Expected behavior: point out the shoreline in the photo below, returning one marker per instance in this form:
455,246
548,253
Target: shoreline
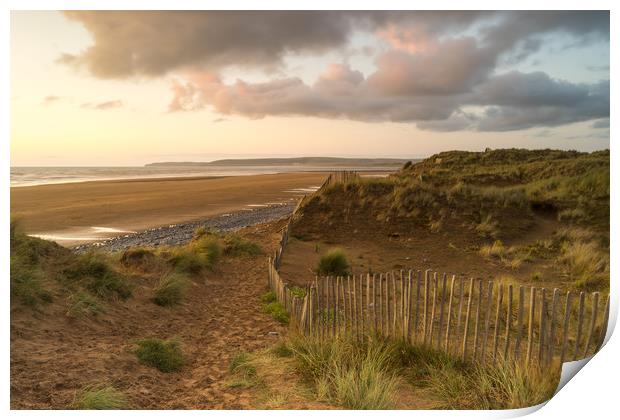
181,233
76,213
222,174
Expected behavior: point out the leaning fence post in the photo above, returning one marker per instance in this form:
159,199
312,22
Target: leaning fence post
465,333
552,329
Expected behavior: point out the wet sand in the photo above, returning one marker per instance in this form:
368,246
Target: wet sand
72,210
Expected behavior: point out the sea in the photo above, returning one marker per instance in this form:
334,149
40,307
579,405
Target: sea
22,176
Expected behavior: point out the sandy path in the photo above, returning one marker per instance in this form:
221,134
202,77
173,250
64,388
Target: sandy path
53,356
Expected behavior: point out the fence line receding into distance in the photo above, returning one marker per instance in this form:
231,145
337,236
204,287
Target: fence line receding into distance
470,318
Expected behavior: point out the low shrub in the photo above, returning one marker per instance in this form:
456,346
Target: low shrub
171,289
165,355
100,397
333,262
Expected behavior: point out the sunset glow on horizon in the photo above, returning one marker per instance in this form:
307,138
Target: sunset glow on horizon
130,88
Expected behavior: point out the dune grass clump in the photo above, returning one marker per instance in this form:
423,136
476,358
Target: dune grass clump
26,283
165,355
242,369
82,304
500,385
584,264
28,274
171,289
93,271
236,245
198,256
347,373
100,397
333,262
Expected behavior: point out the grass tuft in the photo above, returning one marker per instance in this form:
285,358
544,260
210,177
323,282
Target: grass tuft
82,304
347,373
165,355
333,262
100,397
171,289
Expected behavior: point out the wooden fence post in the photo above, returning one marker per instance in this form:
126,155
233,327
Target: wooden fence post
592,322
508,322
442,299
552,329
447,341
426,297
487,320
432,323
567,310
530,332
409,312
582,297
417,306
500,298
471,294
604,322
476,325
542,325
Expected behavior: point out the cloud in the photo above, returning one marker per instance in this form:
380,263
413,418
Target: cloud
153,43
102,106
504,102
440,69
51,99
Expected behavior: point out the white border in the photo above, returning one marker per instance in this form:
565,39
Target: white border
592,395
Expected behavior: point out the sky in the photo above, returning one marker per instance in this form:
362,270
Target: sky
129,88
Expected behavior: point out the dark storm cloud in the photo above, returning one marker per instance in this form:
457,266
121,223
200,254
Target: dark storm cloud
439,64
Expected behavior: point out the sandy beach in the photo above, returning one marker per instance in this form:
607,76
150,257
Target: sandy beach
81,212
